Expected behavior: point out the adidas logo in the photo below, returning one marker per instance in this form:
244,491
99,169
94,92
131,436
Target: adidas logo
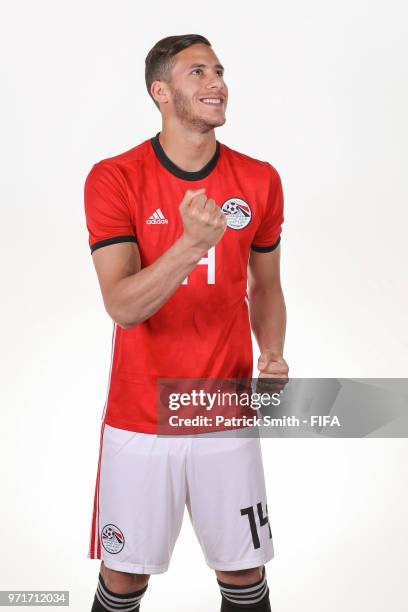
156,218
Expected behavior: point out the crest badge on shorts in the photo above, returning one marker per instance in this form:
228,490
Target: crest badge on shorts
238,213
113,539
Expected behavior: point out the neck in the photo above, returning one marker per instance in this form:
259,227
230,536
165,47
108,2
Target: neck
188,149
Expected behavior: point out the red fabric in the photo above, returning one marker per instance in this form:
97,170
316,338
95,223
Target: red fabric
95,552
203,330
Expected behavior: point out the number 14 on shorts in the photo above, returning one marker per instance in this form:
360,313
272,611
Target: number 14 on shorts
263,520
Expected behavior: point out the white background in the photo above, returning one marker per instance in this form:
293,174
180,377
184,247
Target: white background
318,89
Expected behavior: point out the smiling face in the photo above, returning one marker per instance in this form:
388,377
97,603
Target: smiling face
197,93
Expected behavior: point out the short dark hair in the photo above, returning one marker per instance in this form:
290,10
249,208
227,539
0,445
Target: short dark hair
159,61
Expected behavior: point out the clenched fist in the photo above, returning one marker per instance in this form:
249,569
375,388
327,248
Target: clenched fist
204,222
273,373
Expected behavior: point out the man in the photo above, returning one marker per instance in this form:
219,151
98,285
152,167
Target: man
174,225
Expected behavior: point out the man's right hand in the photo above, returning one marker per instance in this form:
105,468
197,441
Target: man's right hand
131,293
204,222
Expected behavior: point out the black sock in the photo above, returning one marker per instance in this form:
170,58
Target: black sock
246,597
106,600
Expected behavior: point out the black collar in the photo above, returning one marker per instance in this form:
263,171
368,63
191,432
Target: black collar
183,174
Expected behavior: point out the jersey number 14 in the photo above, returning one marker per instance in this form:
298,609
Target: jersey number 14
208,261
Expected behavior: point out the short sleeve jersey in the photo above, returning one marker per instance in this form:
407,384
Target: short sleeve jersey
203,330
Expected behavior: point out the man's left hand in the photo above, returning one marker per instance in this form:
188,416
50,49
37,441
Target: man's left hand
272,366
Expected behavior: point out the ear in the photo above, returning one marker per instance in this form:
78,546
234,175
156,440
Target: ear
160,92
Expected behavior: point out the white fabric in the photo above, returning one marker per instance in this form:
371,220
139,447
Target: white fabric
146,481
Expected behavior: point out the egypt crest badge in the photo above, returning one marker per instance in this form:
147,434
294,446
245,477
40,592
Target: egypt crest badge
238,213
113,539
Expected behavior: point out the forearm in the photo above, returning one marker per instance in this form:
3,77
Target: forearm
140,295
267,312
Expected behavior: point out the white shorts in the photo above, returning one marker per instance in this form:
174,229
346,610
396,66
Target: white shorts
144,482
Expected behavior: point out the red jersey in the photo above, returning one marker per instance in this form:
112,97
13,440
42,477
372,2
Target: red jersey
203,330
